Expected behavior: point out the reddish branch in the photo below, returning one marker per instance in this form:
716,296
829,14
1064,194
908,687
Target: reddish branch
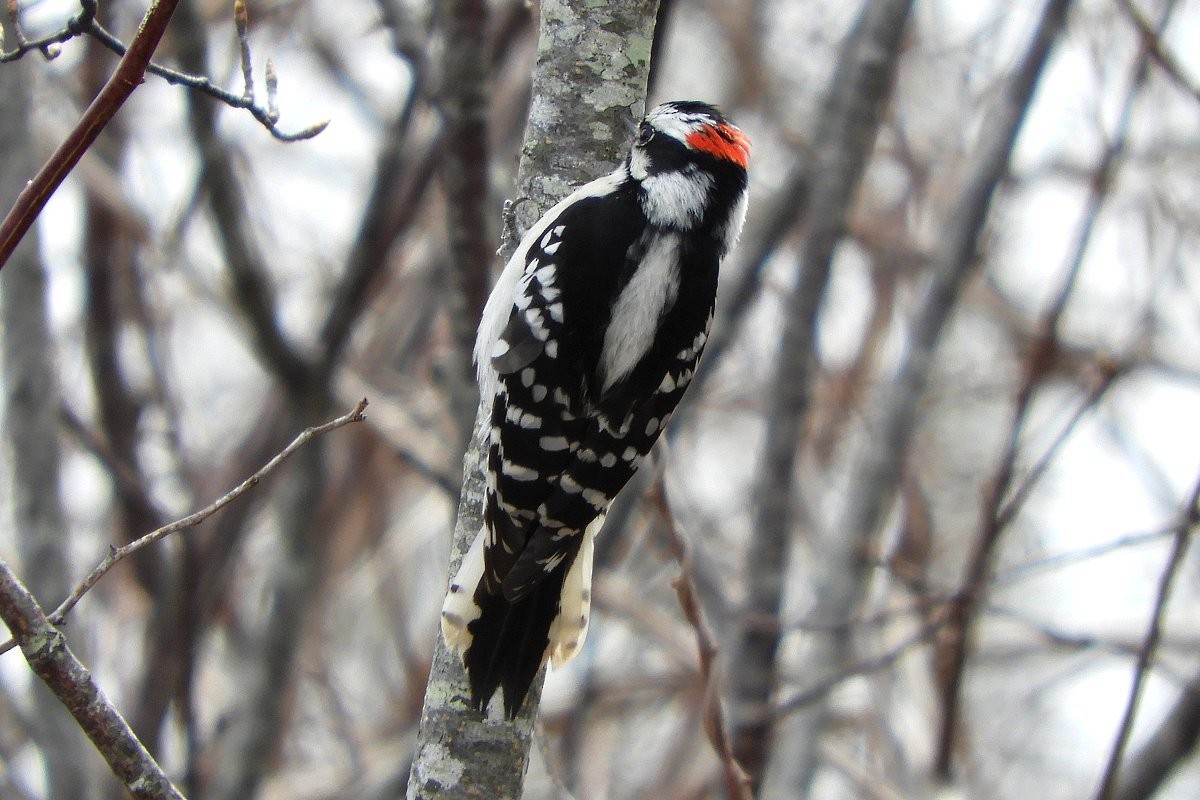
131,71
128,76
737,782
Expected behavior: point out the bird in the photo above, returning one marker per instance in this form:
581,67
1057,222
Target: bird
586,344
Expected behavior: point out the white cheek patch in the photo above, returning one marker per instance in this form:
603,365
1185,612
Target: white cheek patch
676,199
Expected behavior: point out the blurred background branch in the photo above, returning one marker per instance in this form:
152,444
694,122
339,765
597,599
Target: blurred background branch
932,468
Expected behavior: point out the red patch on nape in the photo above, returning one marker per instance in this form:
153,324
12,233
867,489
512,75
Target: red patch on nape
722,141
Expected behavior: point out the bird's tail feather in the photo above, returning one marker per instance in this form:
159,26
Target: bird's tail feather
509,642
504,643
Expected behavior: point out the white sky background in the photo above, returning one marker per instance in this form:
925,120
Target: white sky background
1125,471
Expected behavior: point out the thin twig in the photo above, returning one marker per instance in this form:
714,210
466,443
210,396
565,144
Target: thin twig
1188,517
48,45
265,115
118,554
85,24
1004,514
810,694
241,23
1056,561
737,782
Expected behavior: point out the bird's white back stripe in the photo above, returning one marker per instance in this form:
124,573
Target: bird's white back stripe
639,308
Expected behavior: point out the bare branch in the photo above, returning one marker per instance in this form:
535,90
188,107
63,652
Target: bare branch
118,554
737,782
247,265
241,24
464,173
47,45
1171,743
85,24
1152,44
127,77
51,659
31,389
821,689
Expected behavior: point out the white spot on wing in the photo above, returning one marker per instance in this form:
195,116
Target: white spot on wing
550,562
522,418
518,472
596,499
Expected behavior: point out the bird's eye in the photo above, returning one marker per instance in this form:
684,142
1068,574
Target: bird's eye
645,134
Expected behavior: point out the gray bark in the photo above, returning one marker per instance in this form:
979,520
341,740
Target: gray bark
46,650
589,81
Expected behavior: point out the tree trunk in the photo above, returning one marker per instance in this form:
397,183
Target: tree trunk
576,131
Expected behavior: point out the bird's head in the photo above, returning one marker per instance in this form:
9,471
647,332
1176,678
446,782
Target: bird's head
691,164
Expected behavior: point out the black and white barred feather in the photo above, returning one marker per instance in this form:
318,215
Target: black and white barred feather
586,346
